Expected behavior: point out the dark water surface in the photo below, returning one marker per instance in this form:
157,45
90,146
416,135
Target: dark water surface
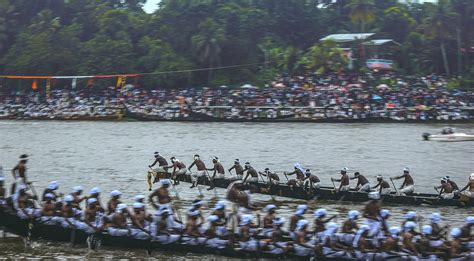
115,155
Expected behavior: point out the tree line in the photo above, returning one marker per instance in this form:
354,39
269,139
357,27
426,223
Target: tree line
89,37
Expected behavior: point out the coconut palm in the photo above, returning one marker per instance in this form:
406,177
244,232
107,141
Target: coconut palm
440,25
362,12
207,44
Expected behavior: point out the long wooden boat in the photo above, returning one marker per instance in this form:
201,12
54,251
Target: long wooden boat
11,223
328,193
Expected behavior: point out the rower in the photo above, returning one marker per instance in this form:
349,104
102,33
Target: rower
3,192
384,216
251,172
140,222
456,244
272,178
49,215
215,237
436,233
19,174
300,176
300,211
364,249
435,219
344,186
350,227
363,184
219,211
162,194
301,247
161,232
24,203
276,245
239,170
408,235
113,202
329,246
218,171
408,186
95,193
52,187
69,214
468,190
384,187
196,206
411,216
446,191
201,170
311,181
139,198
246,241
320,221
119,225
466,234
191,235
268,219
453,185
93,214
76,194
179,169
371,215
390,246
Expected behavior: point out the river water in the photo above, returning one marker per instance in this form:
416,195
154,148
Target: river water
115,155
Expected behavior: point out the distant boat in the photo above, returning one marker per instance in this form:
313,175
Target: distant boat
448,135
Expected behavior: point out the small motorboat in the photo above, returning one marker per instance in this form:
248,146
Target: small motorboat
448,134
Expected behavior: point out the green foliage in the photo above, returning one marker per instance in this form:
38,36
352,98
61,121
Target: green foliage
68,37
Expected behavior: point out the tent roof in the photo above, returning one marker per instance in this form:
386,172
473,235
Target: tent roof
342,38
380,42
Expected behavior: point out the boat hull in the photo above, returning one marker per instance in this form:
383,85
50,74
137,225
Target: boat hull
451,137
328,193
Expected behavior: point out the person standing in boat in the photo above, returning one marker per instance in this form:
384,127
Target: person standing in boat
201,170
371,215
218,171
344,181
239,170
252,174
408,186
300,175
384,187
468,190
164,203
19,173
179,169
446,190
363,184
162,168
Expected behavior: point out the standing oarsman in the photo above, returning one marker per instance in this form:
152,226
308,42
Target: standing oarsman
239,170
250,172
384,187
201,170
300,176
371,215
179,169
162,169
408,186
363,184
446,190
219,172
19,173
164,203
468,190
344,181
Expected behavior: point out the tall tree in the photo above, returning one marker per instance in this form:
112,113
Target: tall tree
440,26
362,13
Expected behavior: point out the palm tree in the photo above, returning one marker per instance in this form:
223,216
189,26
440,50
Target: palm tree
439,26
362,12
207,44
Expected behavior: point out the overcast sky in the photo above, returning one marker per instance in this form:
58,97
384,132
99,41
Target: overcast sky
151,5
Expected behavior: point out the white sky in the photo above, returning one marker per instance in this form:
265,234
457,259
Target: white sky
151,5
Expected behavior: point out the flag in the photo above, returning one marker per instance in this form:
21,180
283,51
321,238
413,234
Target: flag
74,83
34,85
48,87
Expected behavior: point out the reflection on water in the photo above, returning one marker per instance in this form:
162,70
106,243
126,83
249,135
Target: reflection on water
115,155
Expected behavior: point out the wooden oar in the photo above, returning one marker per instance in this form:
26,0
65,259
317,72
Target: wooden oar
286,176
395,187
333,184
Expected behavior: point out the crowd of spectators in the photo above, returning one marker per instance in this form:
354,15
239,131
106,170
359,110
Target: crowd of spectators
299,97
